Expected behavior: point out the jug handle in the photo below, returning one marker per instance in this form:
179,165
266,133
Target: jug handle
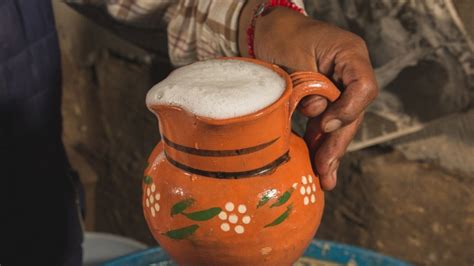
311,83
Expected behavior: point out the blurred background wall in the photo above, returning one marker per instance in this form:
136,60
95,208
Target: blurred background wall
405,189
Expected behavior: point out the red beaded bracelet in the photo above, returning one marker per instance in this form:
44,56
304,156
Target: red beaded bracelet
262,10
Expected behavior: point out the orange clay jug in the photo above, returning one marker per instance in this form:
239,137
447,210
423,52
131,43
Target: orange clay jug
237,191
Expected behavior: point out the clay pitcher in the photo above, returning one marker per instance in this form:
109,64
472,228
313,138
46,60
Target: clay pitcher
238,191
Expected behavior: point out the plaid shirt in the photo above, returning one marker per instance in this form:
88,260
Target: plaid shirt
197,29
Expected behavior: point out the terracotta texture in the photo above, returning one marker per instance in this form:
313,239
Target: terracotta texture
237,191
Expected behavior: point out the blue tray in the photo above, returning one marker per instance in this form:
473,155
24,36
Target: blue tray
318,250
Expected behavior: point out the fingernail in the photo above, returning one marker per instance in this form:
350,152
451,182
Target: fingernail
332,125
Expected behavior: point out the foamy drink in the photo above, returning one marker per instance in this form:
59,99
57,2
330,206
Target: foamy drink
219,89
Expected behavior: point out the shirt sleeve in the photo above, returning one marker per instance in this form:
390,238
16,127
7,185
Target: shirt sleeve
203,29
196,29
140,13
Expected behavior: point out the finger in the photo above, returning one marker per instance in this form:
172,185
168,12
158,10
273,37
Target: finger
313,105
313,134
330,150
360,89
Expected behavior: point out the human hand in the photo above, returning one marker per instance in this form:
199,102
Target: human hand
298,43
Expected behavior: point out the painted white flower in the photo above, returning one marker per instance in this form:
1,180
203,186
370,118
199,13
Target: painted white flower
234,216
308,189
152,198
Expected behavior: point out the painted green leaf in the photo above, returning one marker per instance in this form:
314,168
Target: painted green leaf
283,198
282,217
203,215
181,206
182,233
266,197
147,179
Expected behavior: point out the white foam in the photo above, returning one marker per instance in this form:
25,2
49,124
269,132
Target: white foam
219,89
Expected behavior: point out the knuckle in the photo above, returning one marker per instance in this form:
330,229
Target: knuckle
348,112
355,44
370,88
373,90
356,40
360,42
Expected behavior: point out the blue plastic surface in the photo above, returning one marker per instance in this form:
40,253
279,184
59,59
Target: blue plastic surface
349,255
319,249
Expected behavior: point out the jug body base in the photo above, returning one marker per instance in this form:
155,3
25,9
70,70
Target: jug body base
268,219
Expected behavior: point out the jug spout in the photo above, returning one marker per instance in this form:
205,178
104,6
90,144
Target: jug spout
161,109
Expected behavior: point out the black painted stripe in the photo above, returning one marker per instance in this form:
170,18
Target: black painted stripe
227,175
217,153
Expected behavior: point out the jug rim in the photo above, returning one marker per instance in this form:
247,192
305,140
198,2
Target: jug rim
243,118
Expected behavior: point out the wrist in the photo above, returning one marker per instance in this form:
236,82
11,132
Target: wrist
245,20
255,10
277,28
